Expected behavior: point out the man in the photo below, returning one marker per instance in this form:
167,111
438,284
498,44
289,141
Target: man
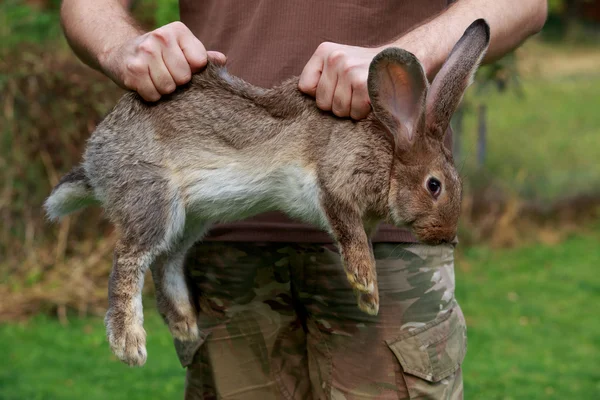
277,316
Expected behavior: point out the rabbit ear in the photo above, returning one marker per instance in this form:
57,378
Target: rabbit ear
455,77
397,90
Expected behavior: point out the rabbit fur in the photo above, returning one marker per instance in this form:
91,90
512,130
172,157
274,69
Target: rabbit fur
219,149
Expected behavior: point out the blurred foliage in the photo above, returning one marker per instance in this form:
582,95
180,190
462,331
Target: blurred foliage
562,6
166,11
576,21
21,23
556,6
501,76
50,103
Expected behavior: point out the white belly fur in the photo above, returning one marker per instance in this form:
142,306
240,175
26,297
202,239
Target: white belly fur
232,192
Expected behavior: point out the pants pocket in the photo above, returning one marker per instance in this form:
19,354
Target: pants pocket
431,357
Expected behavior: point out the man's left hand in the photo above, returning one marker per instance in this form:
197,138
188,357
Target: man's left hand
336,75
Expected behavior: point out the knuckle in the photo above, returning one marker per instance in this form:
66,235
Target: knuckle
324,47
353,74
148,47
135,66
359,84
336,58
350,71
161,35
178,26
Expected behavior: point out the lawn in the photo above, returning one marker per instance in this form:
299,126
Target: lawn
532,313
45,360
534,333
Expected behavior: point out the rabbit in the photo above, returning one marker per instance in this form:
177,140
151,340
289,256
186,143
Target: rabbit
219,149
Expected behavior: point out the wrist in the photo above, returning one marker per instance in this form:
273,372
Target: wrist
103,56
430,53
108,51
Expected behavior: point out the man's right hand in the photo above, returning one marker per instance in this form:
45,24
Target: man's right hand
156,62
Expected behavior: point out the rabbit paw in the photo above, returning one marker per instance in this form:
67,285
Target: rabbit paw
368,303
127,340
180,316
184,327
362,278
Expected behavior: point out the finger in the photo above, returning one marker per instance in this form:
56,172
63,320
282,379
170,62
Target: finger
342,97
194,51
326,88
311,74
153,72
160,76
145,88
177,65
216,57
360,105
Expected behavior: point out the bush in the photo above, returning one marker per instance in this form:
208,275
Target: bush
166,11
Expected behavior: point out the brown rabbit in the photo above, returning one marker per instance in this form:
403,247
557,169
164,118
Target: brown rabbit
219,149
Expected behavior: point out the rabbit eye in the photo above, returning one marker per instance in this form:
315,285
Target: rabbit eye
434,186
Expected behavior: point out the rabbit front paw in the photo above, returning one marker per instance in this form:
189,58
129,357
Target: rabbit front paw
127,340
361,276
369,302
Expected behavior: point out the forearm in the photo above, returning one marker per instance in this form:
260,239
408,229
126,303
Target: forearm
152,63
94,27
511,22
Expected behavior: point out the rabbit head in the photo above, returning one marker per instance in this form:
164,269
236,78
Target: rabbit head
425,188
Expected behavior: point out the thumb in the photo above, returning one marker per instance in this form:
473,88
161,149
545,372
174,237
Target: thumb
216,57
193,50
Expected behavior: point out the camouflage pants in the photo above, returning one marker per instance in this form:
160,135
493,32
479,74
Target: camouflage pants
280,321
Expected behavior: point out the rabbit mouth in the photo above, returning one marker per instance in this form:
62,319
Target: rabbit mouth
433,234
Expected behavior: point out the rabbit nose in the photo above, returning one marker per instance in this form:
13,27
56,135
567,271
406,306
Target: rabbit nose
448,237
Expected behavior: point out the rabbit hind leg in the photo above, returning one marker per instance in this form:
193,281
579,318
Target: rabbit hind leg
149,223
173,298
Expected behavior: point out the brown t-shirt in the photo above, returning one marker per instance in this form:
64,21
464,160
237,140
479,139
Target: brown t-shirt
267,41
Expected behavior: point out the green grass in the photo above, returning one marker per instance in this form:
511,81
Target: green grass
45,360
534,333
532,315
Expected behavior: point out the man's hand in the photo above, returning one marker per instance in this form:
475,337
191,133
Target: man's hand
156,62
336,75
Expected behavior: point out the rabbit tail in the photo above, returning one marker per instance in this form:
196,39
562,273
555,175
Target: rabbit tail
72,193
